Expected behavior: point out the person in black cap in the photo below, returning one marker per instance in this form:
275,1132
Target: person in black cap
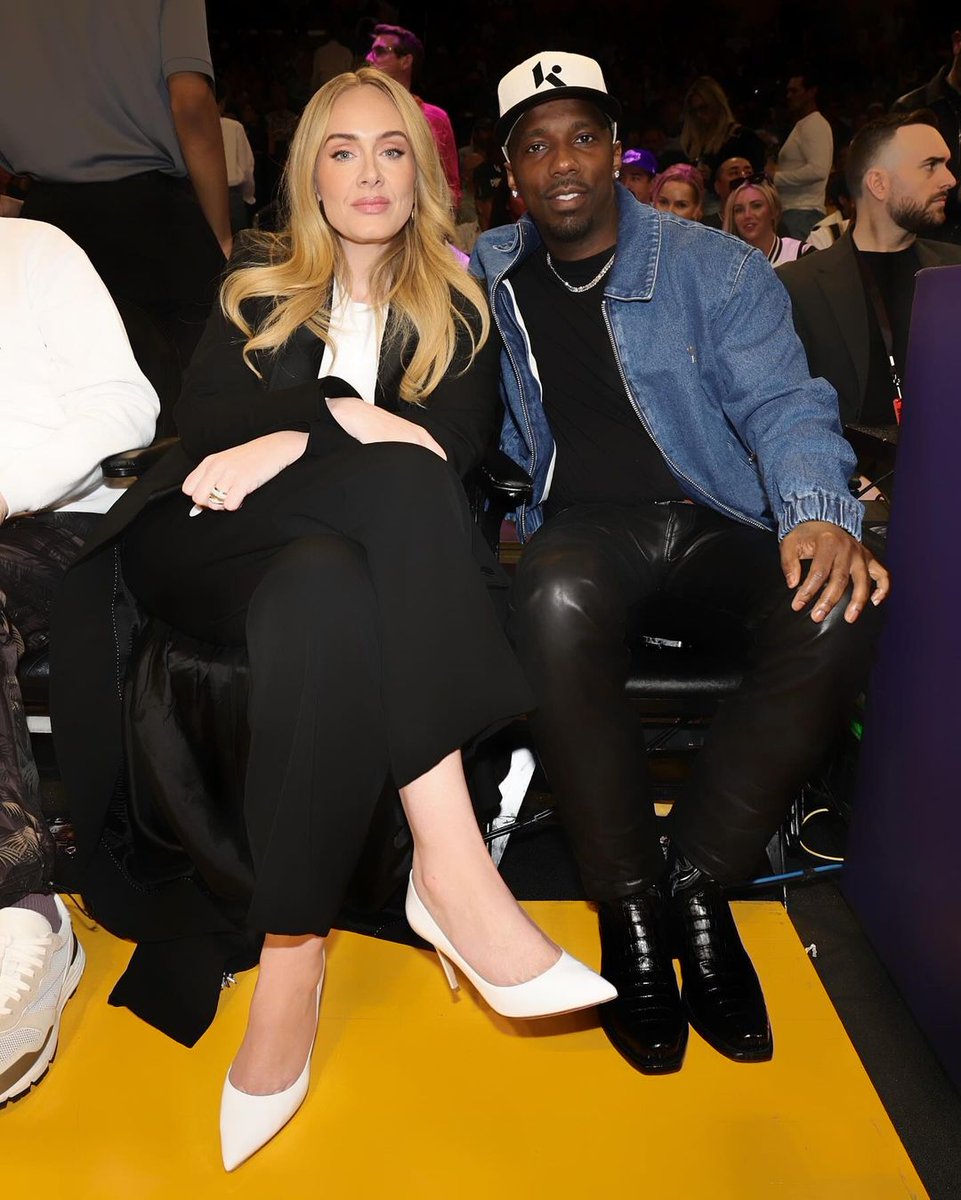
681,455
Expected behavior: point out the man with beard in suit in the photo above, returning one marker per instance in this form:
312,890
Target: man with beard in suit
852,302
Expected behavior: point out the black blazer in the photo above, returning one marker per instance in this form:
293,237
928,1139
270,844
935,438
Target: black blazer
831,314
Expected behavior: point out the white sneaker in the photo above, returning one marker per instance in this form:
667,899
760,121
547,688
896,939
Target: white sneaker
39,971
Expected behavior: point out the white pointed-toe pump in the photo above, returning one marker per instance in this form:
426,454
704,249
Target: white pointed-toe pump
566,986
248,1122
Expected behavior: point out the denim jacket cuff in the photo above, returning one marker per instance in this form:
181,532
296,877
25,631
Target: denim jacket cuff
822,506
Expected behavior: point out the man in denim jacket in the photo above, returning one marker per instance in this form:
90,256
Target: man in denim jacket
681,454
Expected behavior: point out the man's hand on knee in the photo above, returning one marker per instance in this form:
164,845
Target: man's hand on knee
836,559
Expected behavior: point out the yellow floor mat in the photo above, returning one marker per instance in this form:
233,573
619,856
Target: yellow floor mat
420,1093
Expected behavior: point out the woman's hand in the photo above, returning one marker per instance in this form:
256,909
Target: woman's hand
224,480
367,424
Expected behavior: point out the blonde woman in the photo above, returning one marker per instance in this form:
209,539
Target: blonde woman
320,521
753,211
710,133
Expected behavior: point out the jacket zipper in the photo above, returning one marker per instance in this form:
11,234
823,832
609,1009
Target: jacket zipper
113,619
520,388
674,467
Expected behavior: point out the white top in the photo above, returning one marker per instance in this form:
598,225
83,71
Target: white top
239,156
804,164
71,392
356,331
825,233
785,249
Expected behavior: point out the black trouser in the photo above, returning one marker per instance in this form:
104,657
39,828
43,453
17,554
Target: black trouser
148,241
374,648
580,586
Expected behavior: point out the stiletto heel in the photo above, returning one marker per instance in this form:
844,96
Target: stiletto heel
565,987
448,969
248,1122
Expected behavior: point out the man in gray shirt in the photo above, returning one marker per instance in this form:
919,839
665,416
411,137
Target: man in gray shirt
108,118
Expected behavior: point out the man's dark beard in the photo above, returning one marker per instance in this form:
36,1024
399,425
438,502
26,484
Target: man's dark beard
916,218
570,229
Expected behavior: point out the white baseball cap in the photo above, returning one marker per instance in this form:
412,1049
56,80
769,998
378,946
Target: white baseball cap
551,75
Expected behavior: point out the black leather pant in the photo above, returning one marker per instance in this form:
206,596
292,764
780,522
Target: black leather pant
582,588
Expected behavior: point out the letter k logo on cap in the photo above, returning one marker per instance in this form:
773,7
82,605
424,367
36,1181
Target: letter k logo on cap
554,78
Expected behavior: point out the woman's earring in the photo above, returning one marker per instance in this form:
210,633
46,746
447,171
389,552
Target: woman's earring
617,173
514,193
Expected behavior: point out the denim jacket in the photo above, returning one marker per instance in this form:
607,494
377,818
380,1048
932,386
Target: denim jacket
703,339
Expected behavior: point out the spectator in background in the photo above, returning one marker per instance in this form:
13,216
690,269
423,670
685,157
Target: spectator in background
710,133
728,175
240,170
109,109
638,168
825,233
898,175
70,394
399,53
804,162
680,190
652,135
469,158
280,121
753,211
942,95
331,57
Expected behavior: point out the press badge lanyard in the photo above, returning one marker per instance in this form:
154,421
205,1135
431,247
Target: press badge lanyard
873,293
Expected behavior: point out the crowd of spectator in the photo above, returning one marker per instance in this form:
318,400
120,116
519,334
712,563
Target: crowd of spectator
697,91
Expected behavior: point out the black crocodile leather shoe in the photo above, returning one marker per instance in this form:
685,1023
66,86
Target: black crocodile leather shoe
721,991
646,1023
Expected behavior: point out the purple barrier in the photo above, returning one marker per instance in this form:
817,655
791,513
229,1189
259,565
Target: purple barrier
903,872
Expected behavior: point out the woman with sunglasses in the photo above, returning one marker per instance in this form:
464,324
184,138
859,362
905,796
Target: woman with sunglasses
753,211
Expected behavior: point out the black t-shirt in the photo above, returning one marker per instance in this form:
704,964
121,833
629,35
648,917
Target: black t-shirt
894,274
604,453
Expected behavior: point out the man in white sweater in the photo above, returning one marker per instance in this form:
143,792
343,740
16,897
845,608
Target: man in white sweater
71,393
804,163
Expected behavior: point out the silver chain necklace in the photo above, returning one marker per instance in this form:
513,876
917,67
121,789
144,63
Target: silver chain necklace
585,287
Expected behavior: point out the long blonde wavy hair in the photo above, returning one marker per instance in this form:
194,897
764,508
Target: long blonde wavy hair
701,135
417,275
